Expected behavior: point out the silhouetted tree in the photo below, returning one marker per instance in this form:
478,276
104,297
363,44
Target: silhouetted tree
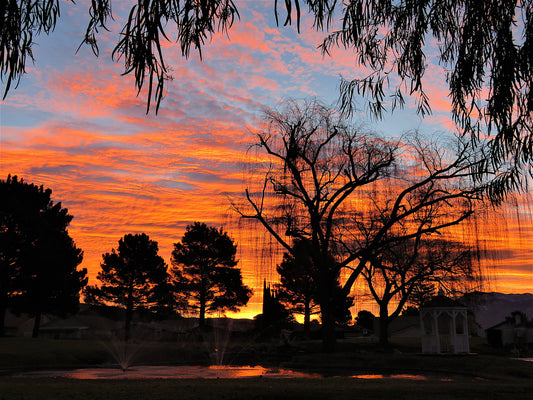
297,289
204,273
486,47
411,311
38,258
275,315
341,305
422,293
365,320
167,305
131,277
432,190
316,162
350,194
396,272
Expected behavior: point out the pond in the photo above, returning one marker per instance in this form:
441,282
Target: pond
193,372
171,372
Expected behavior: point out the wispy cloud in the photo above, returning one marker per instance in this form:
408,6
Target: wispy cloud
76,125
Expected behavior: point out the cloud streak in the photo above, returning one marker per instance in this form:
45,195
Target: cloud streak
76,125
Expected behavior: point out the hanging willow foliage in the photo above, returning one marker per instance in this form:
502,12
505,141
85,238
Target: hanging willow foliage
486,47
352,195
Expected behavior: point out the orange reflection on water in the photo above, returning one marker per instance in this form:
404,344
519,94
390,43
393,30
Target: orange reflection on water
226,371
172,372
396,376
237,372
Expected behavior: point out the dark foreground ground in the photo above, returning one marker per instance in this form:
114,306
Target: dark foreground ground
482,376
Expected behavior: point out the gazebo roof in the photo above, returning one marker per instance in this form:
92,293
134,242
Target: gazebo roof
441,301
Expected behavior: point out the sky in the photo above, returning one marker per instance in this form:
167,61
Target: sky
75,125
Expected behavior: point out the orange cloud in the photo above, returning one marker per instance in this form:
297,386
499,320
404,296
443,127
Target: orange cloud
76,125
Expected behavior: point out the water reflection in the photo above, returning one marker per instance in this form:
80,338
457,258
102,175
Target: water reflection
204,372
395,376
172,372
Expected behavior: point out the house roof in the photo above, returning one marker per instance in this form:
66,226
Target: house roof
64,324
503,323
512,322
404,323
441,301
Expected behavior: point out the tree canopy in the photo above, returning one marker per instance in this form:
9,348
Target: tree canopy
315,164
485,48
394,275
131,277
38,258
298,288
204,273
352,195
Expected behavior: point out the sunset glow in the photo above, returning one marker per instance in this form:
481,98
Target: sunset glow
75,125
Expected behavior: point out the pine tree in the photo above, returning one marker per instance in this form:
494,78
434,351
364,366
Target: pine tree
131,277
38,258
204,272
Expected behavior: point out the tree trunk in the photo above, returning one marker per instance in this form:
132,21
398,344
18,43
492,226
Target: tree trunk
325,290
329,339
2,320
201,322
3,310
384,326
129,315
36,324
307,318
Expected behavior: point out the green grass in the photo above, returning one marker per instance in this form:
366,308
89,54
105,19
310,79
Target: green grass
262,388
27,353
485,376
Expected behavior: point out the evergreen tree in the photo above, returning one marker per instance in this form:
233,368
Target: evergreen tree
297,288
131,277
204,274
365,320
275,315
38,258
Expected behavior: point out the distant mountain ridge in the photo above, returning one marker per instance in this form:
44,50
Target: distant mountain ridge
492,308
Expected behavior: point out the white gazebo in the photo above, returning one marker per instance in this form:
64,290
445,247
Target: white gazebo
444,326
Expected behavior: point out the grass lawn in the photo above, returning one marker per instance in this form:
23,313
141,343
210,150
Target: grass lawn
263,388
484,376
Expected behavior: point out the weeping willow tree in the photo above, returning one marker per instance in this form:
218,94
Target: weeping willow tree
319,179
312,163
404,235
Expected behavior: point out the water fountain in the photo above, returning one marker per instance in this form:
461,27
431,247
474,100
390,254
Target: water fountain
123,352
217,340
